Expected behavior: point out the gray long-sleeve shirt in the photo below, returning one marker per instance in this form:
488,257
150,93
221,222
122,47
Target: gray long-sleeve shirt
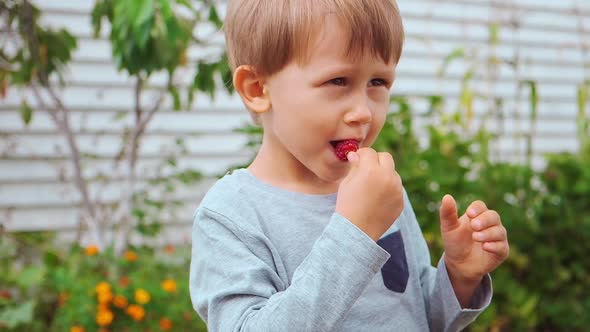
267,259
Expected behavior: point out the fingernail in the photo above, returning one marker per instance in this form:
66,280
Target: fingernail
472,212
352,156
478,236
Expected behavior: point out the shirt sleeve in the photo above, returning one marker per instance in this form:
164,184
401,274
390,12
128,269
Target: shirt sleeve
235,287
442,306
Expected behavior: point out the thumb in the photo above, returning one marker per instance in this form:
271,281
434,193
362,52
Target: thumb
449,220
353,158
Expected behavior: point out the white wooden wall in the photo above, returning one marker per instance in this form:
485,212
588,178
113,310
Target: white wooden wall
35,193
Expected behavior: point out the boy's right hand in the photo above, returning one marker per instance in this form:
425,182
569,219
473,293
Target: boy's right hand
371,195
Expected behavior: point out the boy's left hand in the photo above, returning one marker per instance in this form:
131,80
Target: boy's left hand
476,243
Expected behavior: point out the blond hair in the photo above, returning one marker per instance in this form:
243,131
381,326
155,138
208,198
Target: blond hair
268,34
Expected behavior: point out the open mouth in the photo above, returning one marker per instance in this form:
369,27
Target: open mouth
343,147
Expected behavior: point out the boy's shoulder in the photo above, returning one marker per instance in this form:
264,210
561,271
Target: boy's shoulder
231,196
230,187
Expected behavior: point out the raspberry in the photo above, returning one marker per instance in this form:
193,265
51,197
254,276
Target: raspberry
342,148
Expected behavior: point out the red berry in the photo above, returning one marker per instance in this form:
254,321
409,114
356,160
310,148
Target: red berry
342,148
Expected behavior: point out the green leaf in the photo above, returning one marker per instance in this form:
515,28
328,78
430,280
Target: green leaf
96,17
204,79
469,75
175,97
144,13
21,314
582,99
185,3
31,276
51,258
435,104
26,112
494,34
533,98
467,104
214,17
455,54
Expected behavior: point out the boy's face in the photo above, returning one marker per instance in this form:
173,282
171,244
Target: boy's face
328,99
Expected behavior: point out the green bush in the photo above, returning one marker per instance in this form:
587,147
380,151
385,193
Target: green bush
545,283
81,289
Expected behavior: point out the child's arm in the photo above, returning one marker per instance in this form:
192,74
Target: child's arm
475,244
237,285
445,312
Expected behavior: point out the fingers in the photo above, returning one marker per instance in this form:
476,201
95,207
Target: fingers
367,155
492,234
485,220
476,208
370,156
386,160
449,219
352,157
499,248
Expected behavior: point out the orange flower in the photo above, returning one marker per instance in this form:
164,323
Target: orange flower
105,297
136,312
104,317
142,296
77,329
124,281
91,250
120,301
165,324
169,249
130,256
169,285
103,287
62,299
102,307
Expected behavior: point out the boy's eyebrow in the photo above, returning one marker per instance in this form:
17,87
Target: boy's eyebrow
338,69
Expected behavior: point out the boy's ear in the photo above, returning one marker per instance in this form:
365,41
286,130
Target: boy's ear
250,85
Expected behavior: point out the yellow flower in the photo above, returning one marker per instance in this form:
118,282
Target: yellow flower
105,297
169,285
91,250
130,256
120,301
165,324
136,312
77,329
104,317
142,296
103,287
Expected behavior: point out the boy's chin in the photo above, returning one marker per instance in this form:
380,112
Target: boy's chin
335,174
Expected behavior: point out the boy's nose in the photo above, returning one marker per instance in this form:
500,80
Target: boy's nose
359,113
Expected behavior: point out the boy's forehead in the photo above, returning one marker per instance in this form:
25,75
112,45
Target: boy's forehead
330,42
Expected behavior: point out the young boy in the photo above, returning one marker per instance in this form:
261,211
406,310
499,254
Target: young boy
313,235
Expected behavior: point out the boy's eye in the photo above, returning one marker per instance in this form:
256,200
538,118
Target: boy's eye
341,81
378,82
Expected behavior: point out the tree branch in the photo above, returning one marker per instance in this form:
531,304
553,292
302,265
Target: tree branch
62,122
